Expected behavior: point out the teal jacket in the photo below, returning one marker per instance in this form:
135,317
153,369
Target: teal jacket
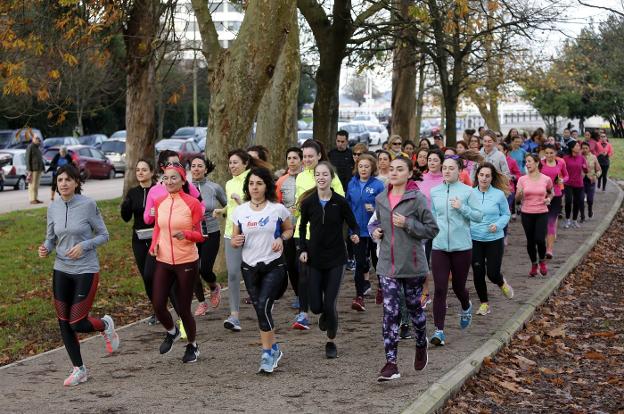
454,224
495,208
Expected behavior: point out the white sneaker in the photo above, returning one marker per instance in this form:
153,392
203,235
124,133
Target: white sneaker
567,224
77,376
110,336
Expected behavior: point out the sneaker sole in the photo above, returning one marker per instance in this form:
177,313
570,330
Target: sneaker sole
358,308
390,378
279,358
230,326
82,380
437,342
426,361
192,360
300,327
265,371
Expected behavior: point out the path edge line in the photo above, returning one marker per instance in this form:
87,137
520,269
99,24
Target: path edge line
434,397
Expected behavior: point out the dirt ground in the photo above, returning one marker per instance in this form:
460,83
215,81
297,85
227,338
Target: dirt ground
138,379
570,358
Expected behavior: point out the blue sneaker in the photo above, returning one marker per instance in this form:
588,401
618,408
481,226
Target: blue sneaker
438,338
301,322
295,303
277,355
232,323
465,317
266,363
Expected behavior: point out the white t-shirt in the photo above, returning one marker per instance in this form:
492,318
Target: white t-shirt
260,228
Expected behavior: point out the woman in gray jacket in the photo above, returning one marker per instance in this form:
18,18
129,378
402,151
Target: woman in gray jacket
402,221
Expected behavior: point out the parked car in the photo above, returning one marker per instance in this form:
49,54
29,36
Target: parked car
358,132
378,133
186,149
59,141
304,135
91,161
301,125
95,140
119,134
115,150
195,133
16,138
13,170
202,144
366,118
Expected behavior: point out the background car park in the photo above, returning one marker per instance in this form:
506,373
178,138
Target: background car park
59,141
195,133
94,140
378,133
304,135
91,161
357,132
16,138
115,150
119,134
14,172
186,149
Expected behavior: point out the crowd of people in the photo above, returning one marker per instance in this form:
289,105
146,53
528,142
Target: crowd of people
416,214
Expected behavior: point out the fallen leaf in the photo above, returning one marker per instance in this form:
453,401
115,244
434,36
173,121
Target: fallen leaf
514,388
606,334
547,371
525,363
595,356
557,332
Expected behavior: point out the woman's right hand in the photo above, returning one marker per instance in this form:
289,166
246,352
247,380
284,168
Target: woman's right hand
236,198
217,212
238,240
303,257
154,252
43,252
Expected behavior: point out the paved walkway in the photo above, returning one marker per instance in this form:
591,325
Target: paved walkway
138,379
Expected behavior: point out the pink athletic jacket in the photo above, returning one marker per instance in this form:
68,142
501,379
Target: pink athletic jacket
159,191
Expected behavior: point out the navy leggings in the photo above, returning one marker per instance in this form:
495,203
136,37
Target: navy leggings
264,285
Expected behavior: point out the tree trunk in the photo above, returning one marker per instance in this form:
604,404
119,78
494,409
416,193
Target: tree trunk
325,113
277,116
241,76
450,101
420,97
582,125
140,35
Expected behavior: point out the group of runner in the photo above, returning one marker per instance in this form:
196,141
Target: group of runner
411,213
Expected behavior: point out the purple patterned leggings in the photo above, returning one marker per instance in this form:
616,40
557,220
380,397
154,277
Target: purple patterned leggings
392,319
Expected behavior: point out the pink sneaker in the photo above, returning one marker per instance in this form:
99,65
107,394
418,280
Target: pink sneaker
543,268
77,376
201,310
215,297
533,271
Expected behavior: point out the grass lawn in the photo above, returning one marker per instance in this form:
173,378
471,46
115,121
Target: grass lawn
27,319
616,169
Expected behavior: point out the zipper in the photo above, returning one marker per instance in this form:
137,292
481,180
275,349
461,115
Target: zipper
144,197
448,219
66,210
170,236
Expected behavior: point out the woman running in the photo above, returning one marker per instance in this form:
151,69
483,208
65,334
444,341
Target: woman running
383,166
325,211
589,180
134,206
402,222
313,152
361,193
555,168
211,194
535,191
177,228
454,206
577,168
488,245
260,227
285,189
604,151
239,164
75,229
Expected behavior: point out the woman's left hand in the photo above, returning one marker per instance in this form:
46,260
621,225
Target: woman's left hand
179,235
355,238
75,252
547,201
493,228
277,245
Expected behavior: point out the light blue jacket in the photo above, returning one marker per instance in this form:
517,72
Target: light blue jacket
454,224
495,210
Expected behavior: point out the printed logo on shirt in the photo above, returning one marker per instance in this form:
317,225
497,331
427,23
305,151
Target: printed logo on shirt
260,223
370,190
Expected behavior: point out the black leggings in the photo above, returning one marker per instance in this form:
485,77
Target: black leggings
208,251
73,298
147,266
573,201
324,287
487,258
264,284
292,264
535,226
364,250
602,180
185,274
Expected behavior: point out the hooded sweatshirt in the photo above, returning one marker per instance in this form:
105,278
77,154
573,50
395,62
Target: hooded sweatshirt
401,253
77,221
359,194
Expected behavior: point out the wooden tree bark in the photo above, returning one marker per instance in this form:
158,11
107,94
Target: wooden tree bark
140,35
420,97
240,75
277,116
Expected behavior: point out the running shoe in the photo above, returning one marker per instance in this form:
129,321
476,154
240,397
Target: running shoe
543,268
507,290
301,322
110,335
438,338
152,321
351,265
533,271
514,217
277,356
201,310
465,317
576,224
331,351
215,296
322,323
368,288
182,330
167,344
295,303
77,376
358,304
379,297
484,309
421,358
190,354
266,363
549,255
425,299
567,224
404,331
248,300
232,323
389,372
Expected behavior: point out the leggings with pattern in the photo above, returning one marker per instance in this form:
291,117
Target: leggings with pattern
412,289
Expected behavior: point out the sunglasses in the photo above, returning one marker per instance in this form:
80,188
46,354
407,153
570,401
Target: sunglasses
397,143
357,154
173,164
